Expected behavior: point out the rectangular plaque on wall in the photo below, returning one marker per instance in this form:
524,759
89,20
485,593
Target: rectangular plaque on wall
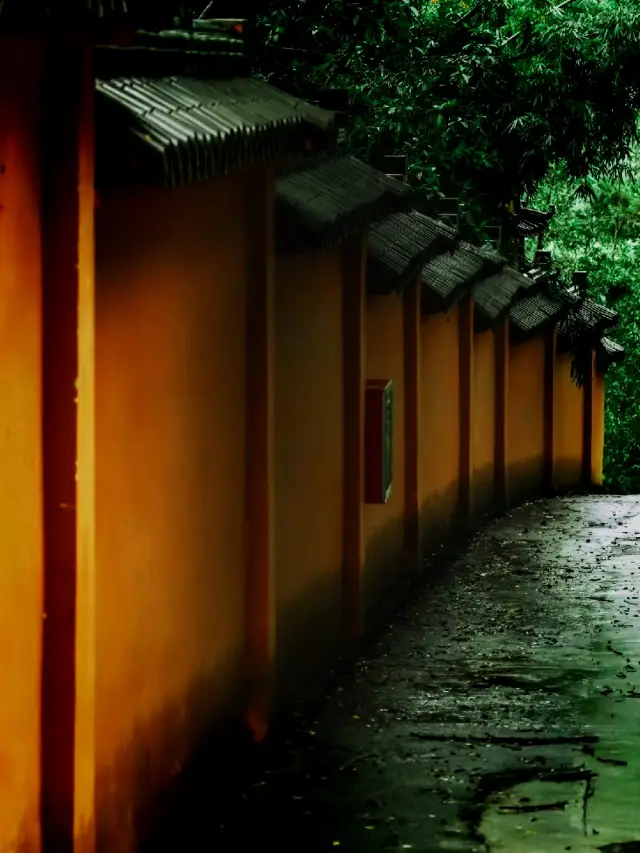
378,444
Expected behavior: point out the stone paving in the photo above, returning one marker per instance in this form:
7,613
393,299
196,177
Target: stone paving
499,712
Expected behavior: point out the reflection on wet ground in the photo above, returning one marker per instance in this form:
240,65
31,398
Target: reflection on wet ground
499,712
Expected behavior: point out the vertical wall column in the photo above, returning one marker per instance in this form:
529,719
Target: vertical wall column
501,484
587,421
260,611
21,522
67,747
411,322
84,768
465,337
353,348
550,345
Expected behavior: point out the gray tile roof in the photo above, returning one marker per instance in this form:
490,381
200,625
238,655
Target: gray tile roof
322,202
535,312
527,281
214,51
608,352
452,274
586,320
494,295
400,245
594,314
188,129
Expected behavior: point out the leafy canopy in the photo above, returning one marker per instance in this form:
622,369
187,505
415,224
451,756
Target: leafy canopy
485,96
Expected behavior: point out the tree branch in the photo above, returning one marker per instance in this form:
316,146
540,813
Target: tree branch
553,9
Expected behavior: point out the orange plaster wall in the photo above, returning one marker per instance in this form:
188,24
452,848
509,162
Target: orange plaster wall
483,420
568,419
526,417
84,757
170,446
384,523
308,462
597,445
21,544
440,423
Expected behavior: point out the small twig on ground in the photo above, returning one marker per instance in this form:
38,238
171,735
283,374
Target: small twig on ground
588,793
542,807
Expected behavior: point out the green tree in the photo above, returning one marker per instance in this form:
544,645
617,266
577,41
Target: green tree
485,96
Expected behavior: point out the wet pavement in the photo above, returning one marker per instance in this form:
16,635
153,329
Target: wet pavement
499,712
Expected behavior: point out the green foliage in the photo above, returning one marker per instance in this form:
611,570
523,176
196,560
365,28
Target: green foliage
599,231
484,95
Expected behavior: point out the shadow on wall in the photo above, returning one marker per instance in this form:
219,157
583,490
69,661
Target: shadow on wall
439,515
440,427
150,769
597,439
526,481
568,423
308,636
386,567
21,547
384,523
568,472
170,458
526,420
309,467
483,491
483,420
27,838
440,519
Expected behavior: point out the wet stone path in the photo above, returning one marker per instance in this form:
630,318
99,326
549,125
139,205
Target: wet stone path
500,712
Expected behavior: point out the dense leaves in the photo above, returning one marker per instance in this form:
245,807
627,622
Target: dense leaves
484,96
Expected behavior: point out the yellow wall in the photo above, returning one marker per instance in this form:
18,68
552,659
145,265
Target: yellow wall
21,555
170,448
84,700
483,421
526,418
568,419
440,423
160,629
597,443
308,461
384,523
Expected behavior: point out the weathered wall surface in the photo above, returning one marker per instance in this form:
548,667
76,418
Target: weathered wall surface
170,484
483,421
568,423
597,442
384,523
308,462
526,418
440,423
21,539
